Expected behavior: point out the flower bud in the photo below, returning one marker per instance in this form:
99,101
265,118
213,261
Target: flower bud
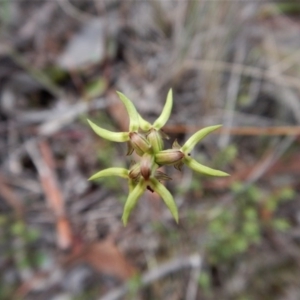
147,164
155,139
168,157
135,171
139,143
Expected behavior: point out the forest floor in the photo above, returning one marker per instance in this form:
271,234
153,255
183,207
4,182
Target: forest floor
235,63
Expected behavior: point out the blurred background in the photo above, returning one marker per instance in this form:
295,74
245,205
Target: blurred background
235,63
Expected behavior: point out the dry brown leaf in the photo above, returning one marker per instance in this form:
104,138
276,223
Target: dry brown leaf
104,257
64,233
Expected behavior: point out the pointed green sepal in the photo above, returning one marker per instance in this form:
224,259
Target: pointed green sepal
131,184
144,125
109,135
194,165
166,196
132,199
197,137
133,114
165,114
110,172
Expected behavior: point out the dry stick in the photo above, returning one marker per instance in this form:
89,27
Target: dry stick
286,94
231,96
38,75
286,62
269,161
74,12
11,198
59,121
220,66
261,168
38,19
43,160
54,125
244,131
192,261
192,289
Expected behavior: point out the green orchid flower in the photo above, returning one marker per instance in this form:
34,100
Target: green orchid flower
136,141
153,131
147,141
153,185
181,155
120,136
138,185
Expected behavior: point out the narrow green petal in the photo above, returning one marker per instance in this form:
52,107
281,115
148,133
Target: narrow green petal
197,137
194,165
133,114
131,201
110,172
165,114
144,125
166,196
109,135
131,185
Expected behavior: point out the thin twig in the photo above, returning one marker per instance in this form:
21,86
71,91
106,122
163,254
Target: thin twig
192,289
231,97
221,66
36,74
192,261
74,12
11,197
60,120
41,156
69,115
244,131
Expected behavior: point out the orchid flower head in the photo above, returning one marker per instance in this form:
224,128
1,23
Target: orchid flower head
147,141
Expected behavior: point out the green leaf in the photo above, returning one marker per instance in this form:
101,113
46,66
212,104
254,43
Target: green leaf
194,165
165,114
133,114
281,224
110,172
197,137
109,135
95,88
132,199
131,184
166,196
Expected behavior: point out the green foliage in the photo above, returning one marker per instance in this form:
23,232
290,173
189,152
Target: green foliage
204,281
289,7
95,88
238,227
18,242
134,284
226,156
